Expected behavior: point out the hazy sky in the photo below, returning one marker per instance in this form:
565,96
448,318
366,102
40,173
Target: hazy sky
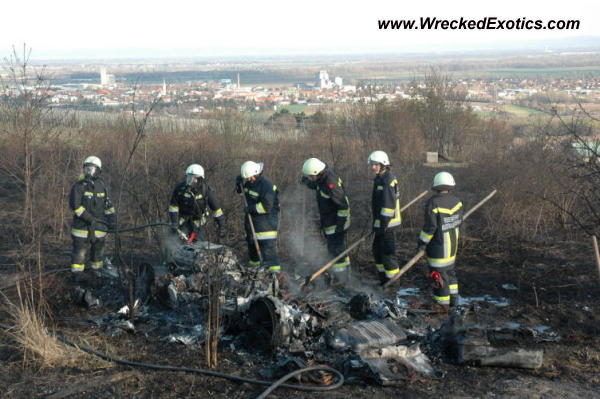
81,28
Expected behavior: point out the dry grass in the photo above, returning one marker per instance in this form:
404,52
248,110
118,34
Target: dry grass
34,340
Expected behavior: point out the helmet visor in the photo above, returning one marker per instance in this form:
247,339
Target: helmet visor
190,179
90,170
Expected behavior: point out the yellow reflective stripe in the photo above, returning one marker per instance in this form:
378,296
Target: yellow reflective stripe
379,187
84,233
173,208
79,233
96,265
425,237
389,212
323,194
274,268
453,288
252,193
343,213
88,193
76,267
448,211
101,195
392,273
442,299
441,262
447,245
181,220
218,213
196,222
110,211
329,229
79,211
380,267
377,223
274,187
260,209
199,196
393,182
254,263
266,235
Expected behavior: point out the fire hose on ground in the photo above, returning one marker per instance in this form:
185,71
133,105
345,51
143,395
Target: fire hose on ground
272,385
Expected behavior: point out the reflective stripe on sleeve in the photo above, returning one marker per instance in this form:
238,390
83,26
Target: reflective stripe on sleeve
110,211
173,208
425,237
266,235
260,209
79,211
389,212
218,213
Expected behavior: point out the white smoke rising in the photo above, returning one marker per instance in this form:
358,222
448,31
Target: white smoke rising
302,237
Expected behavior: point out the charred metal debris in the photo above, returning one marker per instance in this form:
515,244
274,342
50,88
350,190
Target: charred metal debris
384,341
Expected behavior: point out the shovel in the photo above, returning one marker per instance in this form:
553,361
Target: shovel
332,262
419,254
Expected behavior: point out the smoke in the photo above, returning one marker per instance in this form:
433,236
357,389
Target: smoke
169,243
301,230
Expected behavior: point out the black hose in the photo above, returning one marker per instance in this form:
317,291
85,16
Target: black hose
212,373
280,382
273,385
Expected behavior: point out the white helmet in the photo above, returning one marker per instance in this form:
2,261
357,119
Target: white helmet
195,169
92,160
443,181
379,157
312,167
250,168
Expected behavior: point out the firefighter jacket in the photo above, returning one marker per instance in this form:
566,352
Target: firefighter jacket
334,206
90,203
262,198
191,202
443,216
385,201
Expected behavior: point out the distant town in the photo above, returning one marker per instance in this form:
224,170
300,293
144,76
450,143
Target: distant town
195,98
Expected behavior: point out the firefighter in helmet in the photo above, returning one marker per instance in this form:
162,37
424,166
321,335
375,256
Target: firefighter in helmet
334,210
439,239
262,206
93,216
190,204
385,204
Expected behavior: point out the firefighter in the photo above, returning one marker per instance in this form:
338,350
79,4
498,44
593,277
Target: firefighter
93,215
439,239
262,205
188,209
334,210
385,204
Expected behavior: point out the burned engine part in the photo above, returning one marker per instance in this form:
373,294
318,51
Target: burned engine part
466,342
367,334
392,365
363,306
275,324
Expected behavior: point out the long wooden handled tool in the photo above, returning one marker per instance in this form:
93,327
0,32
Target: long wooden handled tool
351,247
420,254
260,257
597,253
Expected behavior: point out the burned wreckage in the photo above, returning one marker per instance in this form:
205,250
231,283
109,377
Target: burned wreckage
369,338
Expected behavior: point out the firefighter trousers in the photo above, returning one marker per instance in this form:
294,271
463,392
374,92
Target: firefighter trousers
268,249
79,252
336,244
384,253
445,293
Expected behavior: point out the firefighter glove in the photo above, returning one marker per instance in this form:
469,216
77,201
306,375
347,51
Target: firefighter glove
421,246
239,182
